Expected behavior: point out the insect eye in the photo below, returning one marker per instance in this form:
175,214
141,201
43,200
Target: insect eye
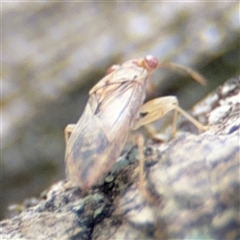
150,63
112,68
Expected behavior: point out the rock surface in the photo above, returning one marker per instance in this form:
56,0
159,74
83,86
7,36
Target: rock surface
193,188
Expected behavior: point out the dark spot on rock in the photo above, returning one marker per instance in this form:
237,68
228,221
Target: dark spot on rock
233,129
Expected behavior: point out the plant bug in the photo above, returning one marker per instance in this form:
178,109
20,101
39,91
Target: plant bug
112,111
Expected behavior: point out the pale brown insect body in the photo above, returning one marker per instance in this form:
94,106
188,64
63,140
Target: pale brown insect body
111,112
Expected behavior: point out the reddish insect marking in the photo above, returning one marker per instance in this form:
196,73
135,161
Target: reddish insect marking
112,68
150,63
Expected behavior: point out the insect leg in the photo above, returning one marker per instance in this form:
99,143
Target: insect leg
152,111
139,139
67,131
158,107
189,118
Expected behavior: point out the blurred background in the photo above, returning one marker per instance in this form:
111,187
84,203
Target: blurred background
53,53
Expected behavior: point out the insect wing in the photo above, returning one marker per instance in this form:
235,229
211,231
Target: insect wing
99,136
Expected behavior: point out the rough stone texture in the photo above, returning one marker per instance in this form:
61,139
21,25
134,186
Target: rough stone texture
53,52
193,188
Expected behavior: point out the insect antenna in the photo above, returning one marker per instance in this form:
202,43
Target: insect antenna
194,74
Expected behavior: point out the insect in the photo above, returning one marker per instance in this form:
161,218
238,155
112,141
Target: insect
113,110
